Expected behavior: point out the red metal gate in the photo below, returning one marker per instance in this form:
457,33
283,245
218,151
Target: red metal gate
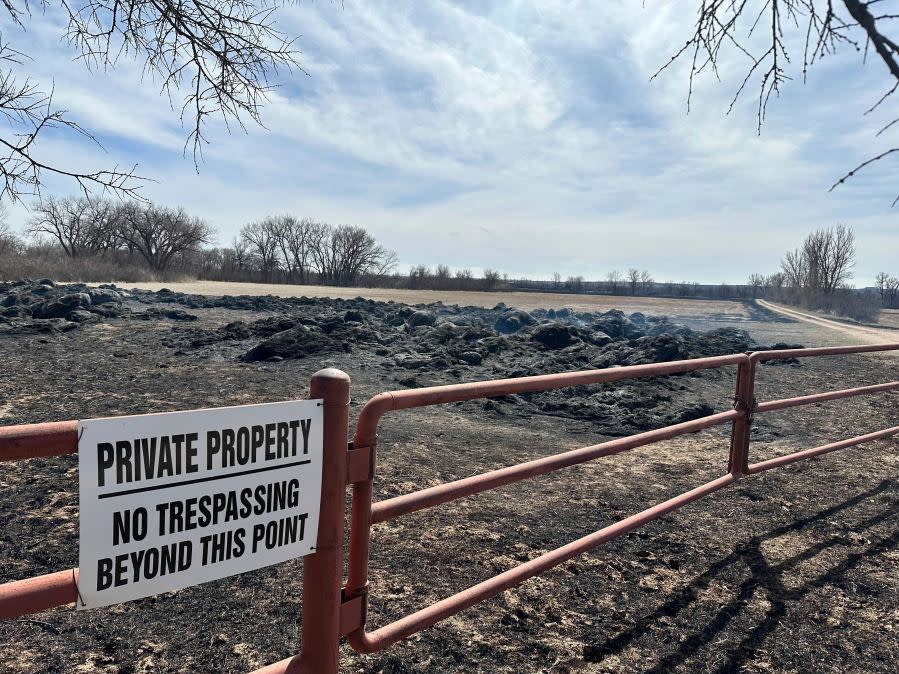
332,609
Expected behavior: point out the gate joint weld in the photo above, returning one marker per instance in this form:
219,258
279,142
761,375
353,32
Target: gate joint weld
747,409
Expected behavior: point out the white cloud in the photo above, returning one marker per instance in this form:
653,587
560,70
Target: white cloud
524,136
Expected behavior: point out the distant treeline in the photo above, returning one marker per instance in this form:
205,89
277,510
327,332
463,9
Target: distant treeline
888,288
633,283
77,238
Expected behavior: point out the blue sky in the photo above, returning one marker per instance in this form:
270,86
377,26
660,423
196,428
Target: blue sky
525,137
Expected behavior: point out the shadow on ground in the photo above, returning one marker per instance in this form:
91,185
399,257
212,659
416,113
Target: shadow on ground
765,579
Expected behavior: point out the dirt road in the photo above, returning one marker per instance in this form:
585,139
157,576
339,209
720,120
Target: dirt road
859,334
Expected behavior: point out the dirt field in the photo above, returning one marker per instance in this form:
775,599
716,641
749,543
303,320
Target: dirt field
796,570
656,306
890,317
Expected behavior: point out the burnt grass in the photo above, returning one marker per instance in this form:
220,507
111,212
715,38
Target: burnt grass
794,570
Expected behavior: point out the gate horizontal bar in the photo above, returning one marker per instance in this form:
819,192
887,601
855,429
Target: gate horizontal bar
376,407
30,441
426,617
781,354
785,403
762,466
31,595
436,395
451,491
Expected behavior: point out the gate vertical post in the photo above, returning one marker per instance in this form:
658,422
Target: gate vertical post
744,402
323,571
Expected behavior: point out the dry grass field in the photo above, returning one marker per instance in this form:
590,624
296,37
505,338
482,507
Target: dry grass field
522,300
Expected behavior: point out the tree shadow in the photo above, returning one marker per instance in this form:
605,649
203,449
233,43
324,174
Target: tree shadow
765,577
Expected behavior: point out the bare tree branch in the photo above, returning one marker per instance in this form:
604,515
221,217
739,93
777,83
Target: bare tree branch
219,57
823,26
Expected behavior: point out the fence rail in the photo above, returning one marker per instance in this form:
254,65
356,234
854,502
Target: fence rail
333,609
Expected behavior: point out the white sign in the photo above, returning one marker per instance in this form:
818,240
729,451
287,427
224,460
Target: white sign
173,500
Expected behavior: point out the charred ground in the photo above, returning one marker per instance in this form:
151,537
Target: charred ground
793,570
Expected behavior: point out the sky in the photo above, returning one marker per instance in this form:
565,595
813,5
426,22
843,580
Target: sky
521,136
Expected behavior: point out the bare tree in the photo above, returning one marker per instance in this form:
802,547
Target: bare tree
346,253
838,258
63,220
491,279
775,281
10,244
283,227
211,58
892,290
758,31
240,253
161,234
557,279
207,263
614,278
633,278
298,239
229,270
441,276
824,262
881,282
574,284
80,225
263,239
384,265
419,276
646,282
794,268
817,274
756,283
295,240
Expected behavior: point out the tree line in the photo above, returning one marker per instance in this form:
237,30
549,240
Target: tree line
85,227
632,282
95,237
293,250
888,288
421,276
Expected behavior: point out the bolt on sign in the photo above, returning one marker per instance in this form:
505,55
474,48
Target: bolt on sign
177,499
